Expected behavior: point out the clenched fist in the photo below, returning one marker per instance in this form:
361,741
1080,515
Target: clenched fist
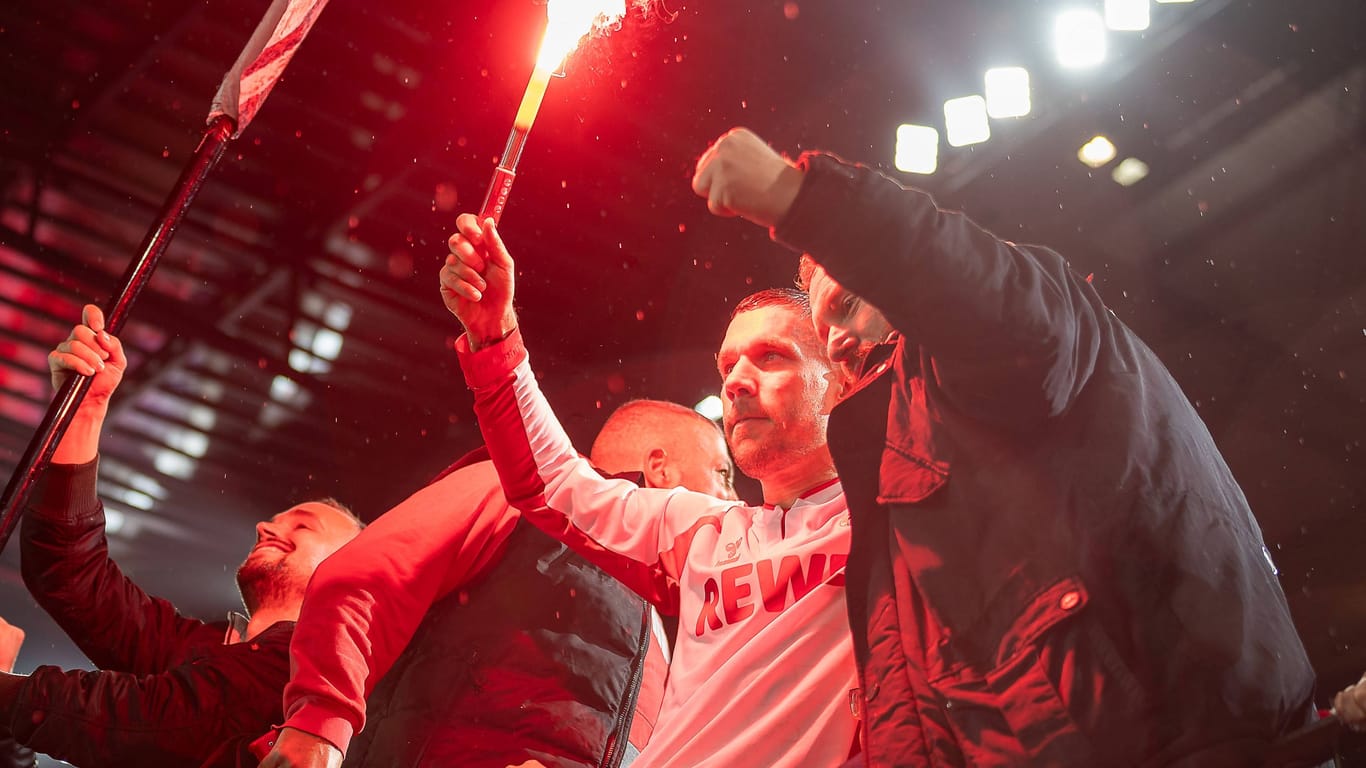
742,176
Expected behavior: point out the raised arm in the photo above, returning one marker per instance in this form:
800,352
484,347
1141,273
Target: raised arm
212,704
65,560
1013,333
632,533
366,601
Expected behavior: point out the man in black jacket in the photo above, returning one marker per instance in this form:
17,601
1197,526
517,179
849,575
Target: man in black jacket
12,754
1051,564
170,690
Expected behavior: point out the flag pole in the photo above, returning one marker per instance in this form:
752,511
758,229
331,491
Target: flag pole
241,94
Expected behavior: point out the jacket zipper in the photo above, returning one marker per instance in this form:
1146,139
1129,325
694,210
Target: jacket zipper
622,733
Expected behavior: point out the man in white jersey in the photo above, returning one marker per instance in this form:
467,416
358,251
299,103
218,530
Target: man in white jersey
763,668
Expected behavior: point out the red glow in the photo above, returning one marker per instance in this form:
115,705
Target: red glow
569,22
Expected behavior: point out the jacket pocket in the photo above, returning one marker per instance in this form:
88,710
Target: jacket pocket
1037,704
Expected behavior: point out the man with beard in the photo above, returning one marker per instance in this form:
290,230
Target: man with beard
453,632
170,690
1051,563
763,666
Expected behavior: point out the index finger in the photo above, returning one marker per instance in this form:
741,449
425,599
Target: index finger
468,225
701,175
462,251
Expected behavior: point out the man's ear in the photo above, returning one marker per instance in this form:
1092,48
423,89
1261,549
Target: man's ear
835,385
656,469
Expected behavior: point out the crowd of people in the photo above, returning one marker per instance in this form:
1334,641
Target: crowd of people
993,532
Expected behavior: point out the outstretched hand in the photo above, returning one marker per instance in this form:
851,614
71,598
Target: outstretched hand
740,175
1350,705
299,749
477,281
90,351
11,639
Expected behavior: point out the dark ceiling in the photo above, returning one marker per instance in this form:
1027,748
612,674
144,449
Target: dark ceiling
293,343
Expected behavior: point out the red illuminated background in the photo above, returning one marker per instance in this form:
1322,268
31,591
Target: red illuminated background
293,343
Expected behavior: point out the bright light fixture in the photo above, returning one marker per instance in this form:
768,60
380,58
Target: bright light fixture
113,521
202,417
709,406
188,442
303,362
176,465
1129,172
134,499
283,389
1007,90
917,149
1096,152
327,343
1126,15
1079,38
965,121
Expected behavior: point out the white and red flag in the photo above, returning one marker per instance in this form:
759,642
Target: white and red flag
263,60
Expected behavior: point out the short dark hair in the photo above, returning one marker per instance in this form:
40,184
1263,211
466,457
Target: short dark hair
329,501
791,298
794,301
806,266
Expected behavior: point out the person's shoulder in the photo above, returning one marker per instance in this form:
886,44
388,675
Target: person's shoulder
700,506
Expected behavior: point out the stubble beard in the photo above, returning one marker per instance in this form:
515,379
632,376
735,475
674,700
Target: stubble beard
757,461
264,584
769,454
855,367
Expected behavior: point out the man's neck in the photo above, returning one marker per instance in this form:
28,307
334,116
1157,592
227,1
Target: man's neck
784,487
266,616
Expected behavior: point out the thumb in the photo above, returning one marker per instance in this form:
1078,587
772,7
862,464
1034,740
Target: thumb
93,317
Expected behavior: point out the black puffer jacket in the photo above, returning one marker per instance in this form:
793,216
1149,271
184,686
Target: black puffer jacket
539,659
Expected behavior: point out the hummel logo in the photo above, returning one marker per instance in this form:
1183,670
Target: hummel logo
732,552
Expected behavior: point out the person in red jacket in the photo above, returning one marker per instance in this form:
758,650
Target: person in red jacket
169,690
1051,564
452,587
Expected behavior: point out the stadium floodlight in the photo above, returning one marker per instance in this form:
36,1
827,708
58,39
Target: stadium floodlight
1127,15
917,149
709,406
1096,152
965,121
1079,38
1007,92
1129,172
